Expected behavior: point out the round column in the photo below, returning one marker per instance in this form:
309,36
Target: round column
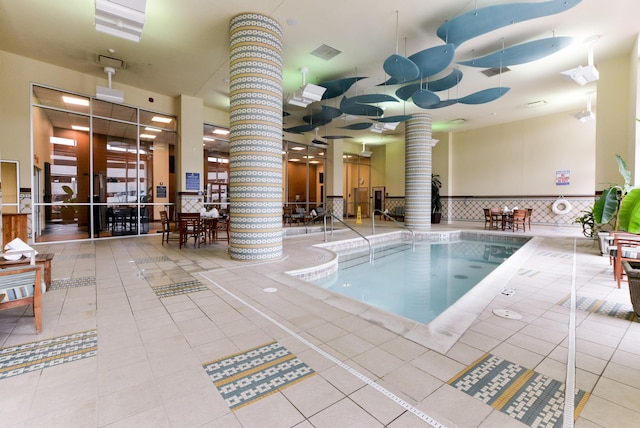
418,169
255,182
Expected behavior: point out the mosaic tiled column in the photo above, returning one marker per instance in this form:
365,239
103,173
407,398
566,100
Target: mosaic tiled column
255,182
417,164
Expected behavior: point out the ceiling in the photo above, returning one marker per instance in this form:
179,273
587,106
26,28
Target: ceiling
185,49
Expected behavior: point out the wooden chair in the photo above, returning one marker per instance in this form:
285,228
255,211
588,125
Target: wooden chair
190,226
222,230
487,218
22,286
169,228
519,219
496,219
529,213
627,248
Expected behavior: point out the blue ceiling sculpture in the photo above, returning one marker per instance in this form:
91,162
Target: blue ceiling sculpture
414,69
481,21
447,82
337,87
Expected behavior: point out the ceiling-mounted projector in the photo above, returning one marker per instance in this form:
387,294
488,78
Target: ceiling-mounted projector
108,94
583,75
366,153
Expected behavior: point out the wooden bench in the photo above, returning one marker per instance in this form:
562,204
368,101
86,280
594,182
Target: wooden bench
43,259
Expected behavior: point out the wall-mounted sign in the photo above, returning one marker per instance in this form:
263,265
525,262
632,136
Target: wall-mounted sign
563,178
193,181
161,191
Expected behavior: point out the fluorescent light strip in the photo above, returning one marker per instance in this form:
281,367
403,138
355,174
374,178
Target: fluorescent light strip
161,119
79,128
76,101
62,141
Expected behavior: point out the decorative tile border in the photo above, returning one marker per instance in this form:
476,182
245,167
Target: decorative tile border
33,356
254,374
158,259
61,284
602,307
179,288
74,256
523,394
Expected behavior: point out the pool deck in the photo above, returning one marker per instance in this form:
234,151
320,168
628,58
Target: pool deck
155,336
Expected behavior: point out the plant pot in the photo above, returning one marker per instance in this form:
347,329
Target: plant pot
435,218
632,270
68,215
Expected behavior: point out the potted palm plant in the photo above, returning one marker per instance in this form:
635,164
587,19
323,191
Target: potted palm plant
436,201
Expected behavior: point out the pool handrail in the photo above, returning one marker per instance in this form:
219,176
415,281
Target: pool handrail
373,224
332,216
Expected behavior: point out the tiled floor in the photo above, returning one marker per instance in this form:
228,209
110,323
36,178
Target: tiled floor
163,314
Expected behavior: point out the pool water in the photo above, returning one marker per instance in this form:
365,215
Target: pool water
419,283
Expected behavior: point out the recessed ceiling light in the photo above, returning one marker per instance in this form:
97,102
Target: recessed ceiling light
220,131
151,129
161,119
149,136
79,128
208,139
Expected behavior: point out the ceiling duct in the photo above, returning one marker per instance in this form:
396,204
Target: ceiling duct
109,94
108,61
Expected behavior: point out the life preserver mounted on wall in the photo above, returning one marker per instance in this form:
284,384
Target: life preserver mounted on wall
561,206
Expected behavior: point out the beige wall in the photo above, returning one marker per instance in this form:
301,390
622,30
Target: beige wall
521,158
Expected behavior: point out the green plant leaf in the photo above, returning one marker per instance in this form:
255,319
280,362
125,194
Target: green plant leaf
606,207
625,173
68,190
629,215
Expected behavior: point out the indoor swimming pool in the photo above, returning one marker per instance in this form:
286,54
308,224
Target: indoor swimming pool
418,283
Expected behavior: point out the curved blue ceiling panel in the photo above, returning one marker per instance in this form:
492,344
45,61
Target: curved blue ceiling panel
521,54
445,103
372,99
357,109
447,82
316,120
337,87
336,137
392,119
326,115
405,92
433,60
357,126
424,98
400,68
484,96
486,19
301,128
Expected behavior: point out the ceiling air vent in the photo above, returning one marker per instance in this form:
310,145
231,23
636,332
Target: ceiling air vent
490,72
107,61
325,52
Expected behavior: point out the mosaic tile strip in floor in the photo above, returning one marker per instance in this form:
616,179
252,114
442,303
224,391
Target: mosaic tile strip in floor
179,288
33,356
158,259
74,256
523,394
251,375
60,284
597,306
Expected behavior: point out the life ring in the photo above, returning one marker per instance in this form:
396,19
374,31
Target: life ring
561,206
